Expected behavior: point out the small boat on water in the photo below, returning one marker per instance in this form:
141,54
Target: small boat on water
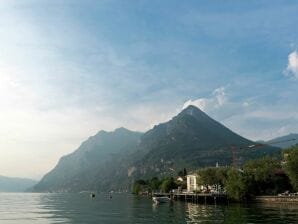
162,199
92,195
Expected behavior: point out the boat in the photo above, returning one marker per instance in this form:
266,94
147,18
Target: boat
162,199
92,195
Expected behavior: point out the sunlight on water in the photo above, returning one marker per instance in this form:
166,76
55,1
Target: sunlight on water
27,208
125,208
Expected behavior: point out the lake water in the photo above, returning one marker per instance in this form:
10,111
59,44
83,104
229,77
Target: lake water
23,208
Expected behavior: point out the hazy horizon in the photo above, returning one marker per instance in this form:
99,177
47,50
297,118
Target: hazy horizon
71,68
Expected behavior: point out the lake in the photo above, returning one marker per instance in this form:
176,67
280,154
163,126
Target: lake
125,208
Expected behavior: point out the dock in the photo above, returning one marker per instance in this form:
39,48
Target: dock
199,198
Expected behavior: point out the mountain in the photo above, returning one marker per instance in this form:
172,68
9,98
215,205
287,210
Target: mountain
113,160
82,169
284,141
190,140
14,184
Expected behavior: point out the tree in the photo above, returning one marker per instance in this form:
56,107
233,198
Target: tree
184,172
208,176
213,176
291,165
154,184
136,189
180,173
221,175
139,186
236,185
168,184
262,169
263,176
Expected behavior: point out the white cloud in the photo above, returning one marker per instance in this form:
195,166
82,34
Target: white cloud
292,69
248,118
264,122
245,104
217,100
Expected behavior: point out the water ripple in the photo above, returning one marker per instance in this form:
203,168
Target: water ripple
79,208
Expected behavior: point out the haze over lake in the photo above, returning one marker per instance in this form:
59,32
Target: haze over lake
148,97
16,208
69,69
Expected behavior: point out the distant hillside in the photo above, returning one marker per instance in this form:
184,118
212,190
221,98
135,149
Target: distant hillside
282,142
190,140
12,184
90,163
113,160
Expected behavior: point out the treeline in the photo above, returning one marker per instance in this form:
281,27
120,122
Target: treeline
160,185
154,185
264,176
291,165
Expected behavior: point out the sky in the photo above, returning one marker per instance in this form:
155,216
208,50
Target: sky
71,68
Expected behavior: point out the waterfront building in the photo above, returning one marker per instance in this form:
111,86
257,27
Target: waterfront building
192,182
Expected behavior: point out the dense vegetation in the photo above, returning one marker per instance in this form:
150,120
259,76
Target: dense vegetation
291,165
263,176
148,186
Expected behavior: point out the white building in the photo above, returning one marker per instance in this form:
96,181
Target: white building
192,182
193,185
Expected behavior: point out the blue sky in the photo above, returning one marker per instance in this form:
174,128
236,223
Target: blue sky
71,68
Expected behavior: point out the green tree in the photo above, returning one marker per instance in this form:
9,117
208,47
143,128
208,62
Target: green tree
291,165
139,186
221,175
136,189
168,184
184,172
213,175
262,169
236,185
154,184
207,176
180,173
263,178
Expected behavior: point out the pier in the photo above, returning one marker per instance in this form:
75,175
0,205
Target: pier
200,198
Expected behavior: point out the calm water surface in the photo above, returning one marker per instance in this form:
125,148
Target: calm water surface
26,208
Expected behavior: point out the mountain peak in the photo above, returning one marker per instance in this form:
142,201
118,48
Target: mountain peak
117,130
121,129
193,111
101,132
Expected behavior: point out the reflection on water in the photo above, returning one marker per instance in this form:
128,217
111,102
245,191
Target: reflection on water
125,208
204,213
26,208
237,213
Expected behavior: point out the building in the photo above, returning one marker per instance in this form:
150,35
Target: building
192,182
193,185
179,179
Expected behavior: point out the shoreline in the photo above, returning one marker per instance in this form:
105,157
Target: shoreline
223,199
276,199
